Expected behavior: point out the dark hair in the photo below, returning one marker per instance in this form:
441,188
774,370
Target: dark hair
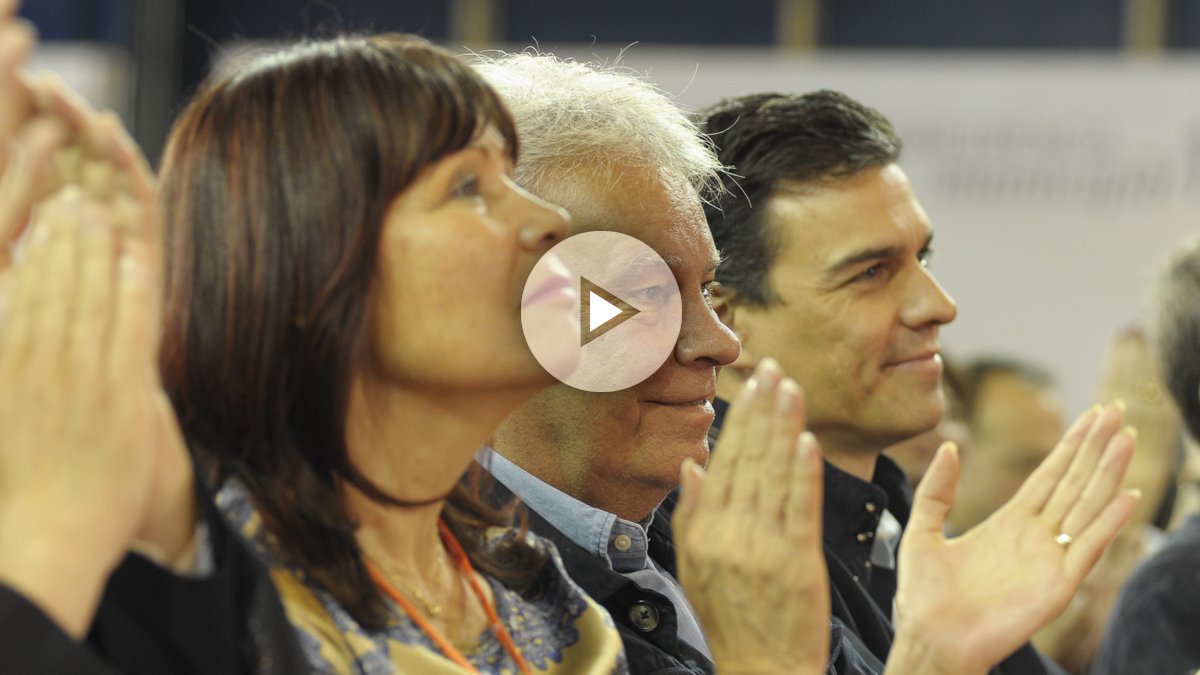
1177,332
981,368
275,183
764,139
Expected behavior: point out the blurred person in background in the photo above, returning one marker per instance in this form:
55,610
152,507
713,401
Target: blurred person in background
1014,418
1130,374
1157,616
914,455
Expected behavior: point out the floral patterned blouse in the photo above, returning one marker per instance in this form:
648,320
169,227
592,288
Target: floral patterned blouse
557,628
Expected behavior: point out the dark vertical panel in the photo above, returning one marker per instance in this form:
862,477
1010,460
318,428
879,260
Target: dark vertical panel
1036,24
212,22
1183,24
649,21
91,20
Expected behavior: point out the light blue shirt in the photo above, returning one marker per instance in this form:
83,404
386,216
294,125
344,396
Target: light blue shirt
621,543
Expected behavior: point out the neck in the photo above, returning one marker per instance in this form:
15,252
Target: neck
415,447
851,457
560,462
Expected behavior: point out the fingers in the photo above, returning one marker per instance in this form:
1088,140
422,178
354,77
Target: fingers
90,331
53,96
17,39
805,498
732,433
1104,483
129,158
936,493
26,178
750,459
56,296
1087,547
133,351
38,307
1083,465
771,472
691,484
1037,489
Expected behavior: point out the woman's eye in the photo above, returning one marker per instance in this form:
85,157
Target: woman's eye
925,257
467,186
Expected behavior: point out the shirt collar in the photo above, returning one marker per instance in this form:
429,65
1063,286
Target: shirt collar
621,543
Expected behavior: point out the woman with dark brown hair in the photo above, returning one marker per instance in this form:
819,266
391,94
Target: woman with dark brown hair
346,255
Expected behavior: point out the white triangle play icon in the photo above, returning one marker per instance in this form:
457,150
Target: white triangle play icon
602,310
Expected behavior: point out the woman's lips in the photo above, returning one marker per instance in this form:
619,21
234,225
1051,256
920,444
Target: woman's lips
556,287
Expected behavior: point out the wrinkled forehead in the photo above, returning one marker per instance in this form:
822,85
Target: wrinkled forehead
657,207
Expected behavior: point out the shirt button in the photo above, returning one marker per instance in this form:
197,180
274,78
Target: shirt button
622,542
644,616
870,507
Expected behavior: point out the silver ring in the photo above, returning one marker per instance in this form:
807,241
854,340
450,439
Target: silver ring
1064,539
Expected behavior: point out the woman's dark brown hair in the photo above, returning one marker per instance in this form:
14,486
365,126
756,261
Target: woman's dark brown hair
275,182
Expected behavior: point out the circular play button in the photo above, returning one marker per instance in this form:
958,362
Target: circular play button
628,311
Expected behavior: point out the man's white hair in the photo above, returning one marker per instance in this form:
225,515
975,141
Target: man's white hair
573,115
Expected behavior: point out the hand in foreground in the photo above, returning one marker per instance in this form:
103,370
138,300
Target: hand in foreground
968,603
78,403
748,536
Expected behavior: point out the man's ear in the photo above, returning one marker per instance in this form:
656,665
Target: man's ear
726,306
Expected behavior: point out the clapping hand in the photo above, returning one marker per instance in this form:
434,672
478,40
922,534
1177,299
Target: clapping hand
91,460
748,535
967,603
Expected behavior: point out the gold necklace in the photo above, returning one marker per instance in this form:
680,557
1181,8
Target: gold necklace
432,608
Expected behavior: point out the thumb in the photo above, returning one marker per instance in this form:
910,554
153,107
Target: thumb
691,483
935,495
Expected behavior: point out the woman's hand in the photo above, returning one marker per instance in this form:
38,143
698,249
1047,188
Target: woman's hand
78,406
748,536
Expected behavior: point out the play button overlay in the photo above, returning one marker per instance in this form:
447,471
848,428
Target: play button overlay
622,304
600,312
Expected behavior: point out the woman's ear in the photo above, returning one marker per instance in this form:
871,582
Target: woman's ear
725,305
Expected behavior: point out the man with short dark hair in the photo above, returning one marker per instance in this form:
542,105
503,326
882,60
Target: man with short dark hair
1155,622
825,268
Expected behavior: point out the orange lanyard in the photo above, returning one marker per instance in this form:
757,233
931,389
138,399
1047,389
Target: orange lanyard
448,650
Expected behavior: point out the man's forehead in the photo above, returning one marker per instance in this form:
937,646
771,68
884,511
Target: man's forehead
661,210
835,222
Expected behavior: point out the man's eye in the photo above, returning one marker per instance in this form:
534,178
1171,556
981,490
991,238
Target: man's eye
707,290
925,257
872,272
651,293
467,186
